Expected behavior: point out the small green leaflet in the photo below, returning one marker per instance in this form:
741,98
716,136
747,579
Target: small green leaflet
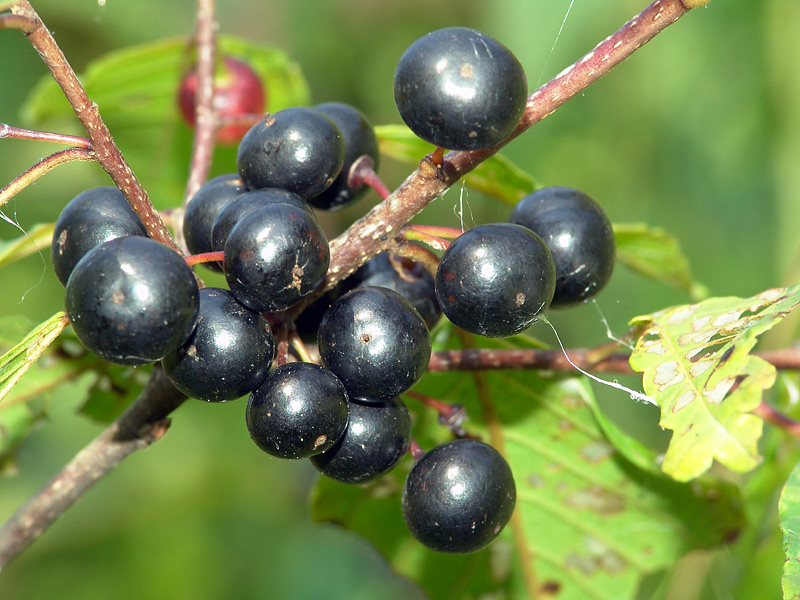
789,509
497,176
697,366
15,363
588,523
35,240
654,253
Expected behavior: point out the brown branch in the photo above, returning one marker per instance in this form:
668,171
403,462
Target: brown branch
19,183
143,423
9,131
374,232
773,417
204,128
108,154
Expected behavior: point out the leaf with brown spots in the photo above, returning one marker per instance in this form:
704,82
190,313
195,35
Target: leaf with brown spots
698,368
589,524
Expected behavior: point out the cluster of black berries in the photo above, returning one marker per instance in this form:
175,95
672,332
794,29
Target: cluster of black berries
133,301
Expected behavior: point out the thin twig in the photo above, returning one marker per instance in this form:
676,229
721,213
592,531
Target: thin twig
774,417
19,183
108,154
143,423
9,131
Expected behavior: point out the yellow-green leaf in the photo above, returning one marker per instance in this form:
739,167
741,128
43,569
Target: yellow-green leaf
698,368
16,362
656,254
789,508
497,176
36,240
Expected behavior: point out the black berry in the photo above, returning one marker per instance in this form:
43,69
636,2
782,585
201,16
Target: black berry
228,354
460,89
411,280
374,442
89,219
132,300
495,280
375,342
359,140
580,238
298,149
244,204
459,496
274,256
298,411
203,209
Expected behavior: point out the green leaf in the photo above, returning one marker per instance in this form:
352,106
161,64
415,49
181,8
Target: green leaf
789,508
136,89
497,176
16,422
588,523
697,367
36,240
16,362
656,254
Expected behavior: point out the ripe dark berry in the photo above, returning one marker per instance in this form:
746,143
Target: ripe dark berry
298,149
411,280
374,442
203,209
459,496
238,91
375,342
91,218
228,354
300,410
580,238
460,89
132,300
359,140
495,280
246,203
274,256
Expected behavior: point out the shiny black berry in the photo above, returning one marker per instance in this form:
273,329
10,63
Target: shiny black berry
203,209
228,354
359,140
580,238
375,342
459,496
411,280
298,411
495,280
460,89
132,300
91,218
274,256
298,149
376,438
246,203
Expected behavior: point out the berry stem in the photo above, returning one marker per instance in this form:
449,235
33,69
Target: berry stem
363,173
282,351
412,233
450,415
415,451
437,156
9,131
418,254
299,346
448,233
204,257
19,183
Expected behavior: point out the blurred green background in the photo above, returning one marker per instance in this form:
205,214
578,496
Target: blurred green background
698,133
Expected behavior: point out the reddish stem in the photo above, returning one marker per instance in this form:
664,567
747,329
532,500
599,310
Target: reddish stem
448,233
415,450
204,257
770,415
9,131
437,156
363,173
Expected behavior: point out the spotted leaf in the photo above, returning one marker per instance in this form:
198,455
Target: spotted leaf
698,368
